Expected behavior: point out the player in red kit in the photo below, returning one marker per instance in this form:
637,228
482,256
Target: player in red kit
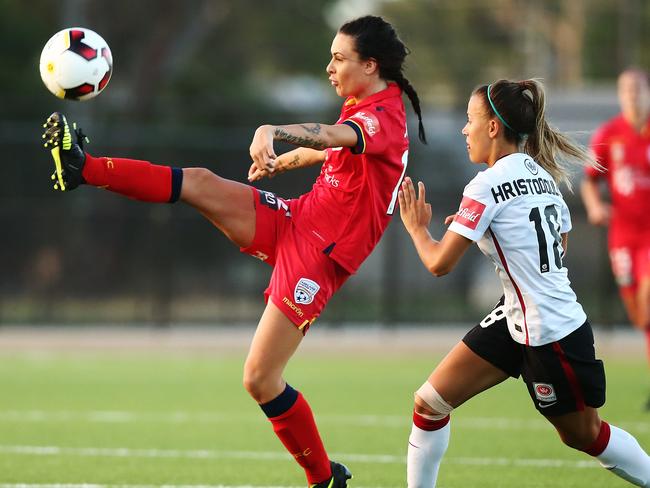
622,147
315,242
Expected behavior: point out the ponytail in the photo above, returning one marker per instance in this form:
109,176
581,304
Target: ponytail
521,106
552,149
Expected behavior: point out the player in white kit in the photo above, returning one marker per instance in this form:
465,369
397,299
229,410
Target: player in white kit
515,212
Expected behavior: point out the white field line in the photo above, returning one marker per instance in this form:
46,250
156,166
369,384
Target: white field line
94,485
384,421
276,456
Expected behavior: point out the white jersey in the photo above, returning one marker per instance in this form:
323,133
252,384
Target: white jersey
516,214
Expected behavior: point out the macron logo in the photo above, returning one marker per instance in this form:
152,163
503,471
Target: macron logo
469,213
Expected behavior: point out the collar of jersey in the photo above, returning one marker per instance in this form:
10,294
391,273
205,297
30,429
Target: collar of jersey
392,90
645,130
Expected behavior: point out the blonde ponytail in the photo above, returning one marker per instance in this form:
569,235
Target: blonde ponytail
552,149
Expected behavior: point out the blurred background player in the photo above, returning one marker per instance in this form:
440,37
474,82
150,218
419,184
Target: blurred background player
314,242
622,146
515,212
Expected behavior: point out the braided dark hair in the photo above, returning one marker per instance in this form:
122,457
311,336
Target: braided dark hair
375,38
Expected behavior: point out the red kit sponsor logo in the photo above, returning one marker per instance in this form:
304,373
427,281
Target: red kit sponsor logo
370,122
469,213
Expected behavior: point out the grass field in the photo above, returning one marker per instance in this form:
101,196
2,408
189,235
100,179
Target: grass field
151,417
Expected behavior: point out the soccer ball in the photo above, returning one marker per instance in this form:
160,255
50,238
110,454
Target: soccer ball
76,64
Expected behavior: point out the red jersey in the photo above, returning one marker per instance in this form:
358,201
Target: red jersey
625,154
353,198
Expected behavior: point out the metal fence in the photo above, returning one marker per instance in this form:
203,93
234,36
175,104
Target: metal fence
93,257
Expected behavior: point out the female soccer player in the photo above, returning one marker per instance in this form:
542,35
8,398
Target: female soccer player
622,147
515,212
315,242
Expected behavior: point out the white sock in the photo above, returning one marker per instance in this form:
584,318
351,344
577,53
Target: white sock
624,457
425,451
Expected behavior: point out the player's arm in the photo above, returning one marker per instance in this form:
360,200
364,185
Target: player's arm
301,157
312,135
565,242
439,257
598,210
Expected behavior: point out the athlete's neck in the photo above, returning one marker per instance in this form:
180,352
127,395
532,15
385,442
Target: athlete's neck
498,152
637,120
375,87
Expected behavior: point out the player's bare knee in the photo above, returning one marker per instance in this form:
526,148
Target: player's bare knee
430,404
580,438
255,382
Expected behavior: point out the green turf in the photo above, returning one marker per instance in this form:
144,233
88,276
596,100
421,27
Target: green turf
185,419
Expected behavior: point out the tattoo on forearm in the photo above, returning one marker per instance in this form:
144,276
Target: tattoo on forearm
314,143
312,129
294,162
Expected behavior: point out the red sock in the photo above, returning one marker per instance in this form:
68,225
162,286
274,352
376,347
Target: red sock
297,430
140,180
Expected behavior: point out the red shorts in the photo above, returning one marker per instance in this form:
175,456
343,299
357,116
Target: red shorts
629,254
303,278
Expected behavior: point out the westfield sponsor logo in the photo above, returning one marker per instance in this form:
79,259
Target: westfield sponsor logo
469,213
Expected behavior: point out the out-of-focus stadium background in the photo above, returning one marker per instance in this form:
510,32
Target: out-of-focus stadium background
193,79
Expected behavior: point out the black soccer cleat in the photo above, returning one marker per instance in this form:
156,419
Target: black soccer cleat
66,147
340,476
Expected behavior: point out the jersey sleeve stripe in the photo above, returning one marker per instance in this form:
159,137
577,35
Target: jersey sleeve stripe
361,140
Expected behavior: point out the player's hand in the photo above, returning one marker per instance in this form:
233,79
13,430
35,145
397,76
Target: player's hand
256,174
414,210
261,150
599,214
281,164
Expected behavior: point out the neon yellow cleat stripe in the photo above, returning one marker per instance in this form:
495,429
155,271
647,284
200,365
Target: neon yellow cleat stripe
59,168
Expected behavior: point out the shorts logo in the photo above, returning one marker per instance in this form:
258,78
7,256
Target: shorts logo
544,392
469,213
293,307
305,291
261,256
272,201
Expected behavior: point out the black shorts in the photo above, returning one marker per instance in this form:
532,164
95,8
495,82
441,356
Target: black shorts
562,377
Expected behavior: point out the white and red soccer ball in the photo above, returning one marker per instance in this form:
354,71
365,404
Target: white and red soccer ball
76,64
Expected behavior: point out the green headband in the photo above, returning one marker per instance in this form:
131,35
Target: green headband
497,112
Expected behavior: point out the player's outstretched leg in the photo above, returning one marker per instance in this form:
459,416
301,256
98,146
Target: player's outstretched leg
227,204
133,178
66,147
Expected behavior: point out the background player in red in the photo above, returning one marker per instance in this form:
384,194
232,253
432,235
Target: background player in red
314,242
517,216
622,146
